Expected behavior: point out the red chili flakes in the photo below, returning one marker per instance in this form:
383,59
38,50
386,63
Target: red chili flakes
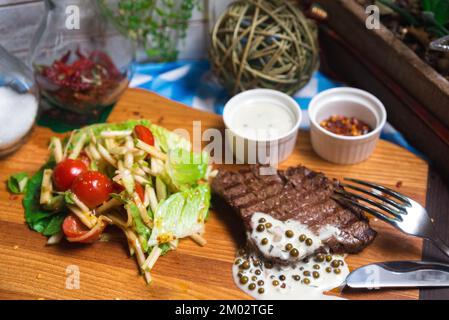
398,184
345,126
81,80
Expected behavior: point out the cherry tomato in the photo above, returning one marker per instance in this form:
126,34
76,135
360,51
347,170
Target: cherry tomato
117,188
66,172
140,191
92,188
74,228
144,134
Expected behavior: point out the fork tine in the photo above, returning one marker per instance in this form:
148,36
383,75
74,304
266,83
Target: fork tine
386,190
375,213
381,206
378,196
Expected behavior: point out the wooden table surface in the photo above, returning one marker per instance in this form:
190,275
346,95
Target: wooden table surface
30,270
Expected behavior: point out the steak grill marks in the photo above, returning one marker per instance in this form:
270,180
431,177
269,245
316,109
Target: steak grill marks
296,193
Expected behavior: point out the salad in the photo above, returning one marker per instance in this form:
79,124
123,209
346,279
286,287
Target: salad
137,176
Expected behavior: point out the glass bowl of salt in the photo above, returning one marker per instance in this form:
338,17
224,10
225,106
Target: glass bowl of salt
19,102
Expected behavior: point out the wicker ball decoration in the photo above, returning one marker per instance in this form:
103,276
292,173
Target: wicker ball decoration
264,44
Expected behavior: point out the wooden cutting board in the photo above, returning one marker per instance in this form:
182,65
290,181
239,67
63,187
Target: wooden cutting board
31,270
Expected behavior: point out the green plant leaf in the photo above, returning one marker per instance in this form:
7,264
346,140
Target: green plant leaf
408,17
17,182
37,218
141,229
439,8
152,22
165,247
68,197
55,224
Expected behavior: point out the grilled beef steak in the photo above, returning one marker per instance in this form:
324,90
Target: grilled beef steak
297,195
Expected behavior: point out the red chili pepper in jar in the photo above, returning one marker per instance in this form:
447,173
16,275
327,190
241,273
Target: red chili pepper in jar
88,80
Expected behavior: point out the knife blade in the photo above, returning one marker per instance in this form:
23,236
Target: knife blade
399,274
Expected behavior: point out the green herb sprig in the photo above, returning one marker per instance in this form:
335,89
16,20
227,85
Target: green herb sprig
434,18
155,24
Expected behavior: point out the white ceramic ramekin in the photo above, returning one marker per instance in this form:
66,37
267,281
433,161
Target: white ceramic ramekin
348,102
278,148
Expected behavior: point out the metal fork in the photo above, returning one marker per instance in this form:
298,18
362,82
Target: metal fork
398,210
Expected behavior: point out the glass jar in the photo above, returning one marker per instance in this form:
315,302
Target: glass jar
80,61
18,102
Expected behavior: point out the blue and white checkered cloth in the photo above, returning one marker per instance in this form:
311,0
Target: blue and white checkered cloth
192,83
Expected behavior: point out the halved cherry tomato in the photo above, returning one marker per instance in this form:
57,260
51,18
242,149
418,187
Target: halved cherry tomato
66,172
144,134
92,188
73,228
140,191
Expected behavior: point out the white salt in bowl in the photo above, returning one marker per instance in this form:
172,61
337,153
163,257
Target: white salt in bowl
349,102
258,107
18,113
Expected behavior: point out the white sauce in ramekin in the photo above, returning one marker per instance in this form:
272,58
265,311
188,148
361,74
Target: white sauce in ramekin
262,120
261,126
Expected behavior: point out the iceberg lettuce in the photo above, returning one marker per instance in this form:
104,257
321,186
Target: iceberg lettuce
169,140
181,215
186,168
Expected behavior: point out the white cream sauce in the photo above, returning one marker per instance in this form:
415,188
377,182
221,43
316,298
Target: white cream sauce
307,276
263,120
293,282
280,239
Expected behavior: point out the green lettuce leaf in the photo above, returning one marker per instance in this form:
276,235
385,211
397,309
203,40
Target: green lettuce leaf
55,224
185,168
168,140
165,247
141,229
181,215
17,182
68,197
37,218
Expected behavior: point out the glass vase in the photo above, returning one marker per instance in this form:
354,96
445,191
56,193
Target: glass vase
18,102
81,62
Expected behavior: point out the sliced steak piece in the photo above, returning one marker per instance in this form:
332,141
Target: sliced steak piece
298,200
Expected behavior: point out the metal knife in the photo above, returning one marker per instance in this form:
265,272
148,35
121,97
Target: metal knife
399,274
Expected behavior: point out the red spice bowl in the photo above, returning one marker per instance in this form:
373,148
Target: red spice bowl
80,82
349,103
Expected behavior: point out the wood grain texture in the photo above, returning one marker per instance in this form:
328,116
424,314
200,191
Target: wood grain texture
438,208
29,269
